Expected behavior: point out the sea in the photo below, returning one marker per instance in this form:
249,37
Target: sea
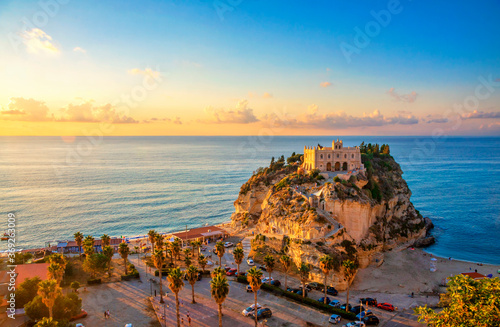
125,186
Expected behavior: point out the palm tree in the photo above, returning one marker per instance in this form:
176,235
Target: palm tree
219,288
219,246
168,250
254,278
192,276
286,261
49,291
159,243
88,245
202,262
78,240
108,252
151,238
349,270
158,261
326,265
304,270
187,252
196,245
124,251
47,322
176,284
105,240
176,248
55,271
238,255
58,259
269,261
218,271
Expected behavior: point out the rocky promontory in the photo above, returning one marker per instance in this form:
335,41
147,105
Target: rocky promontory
348,215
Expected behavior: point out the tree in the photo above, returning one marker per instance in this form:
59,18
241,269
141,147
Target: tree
67,306
78,239
176,284
176,248
105,239
218,271
326,265
196,246
47,322
59,259
219,288
49,291
467,302
159,259
75,285
95,264
254,278
304,270
108,252
286,262
187,253
202,262
159,243
269,261
219,246
55,271
27,291
88,245
35,309
152,239
238,255
192,277
124,251
349,270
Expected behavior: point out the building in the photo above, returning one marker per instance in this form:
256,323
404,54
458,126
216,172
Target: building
200,234
334,158
71,246
31,270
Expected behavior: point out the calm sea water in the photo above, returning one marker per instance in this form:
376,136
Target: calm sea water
129,185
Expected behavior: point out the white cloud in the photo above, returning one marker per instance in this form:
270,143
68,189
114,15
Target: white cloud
267,95
145,72
325,84
87,112
481,115
37,41
240,115
22,109
78,49
410,98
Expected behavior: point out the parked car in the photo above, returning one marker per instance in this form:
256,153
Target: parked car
231,272
355,324
370,320
241,273
227,269
386,306
81,315
128,325
250,262
363,314
314,286
79,325
330,291
262,313
368,301
334,319
249,288
356,309
228,244
334,303
263,268
267,280
250,309
276,283
343,307
296,290
322,300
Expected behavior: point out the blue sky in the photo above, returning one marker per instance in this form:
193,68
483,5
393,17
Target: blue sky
232,62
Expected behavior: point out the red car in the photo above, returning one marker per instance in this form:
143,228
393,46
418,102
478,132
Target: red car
386,306
231,272
82,314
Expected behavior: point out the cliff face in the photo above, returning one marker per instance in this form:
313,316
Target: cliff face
354,217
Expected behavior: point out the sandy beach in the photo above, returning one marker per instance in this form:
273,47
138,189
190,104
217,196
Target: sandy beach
406,271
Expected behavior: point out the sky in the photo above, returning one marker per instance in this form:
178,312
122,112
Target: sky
241,67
